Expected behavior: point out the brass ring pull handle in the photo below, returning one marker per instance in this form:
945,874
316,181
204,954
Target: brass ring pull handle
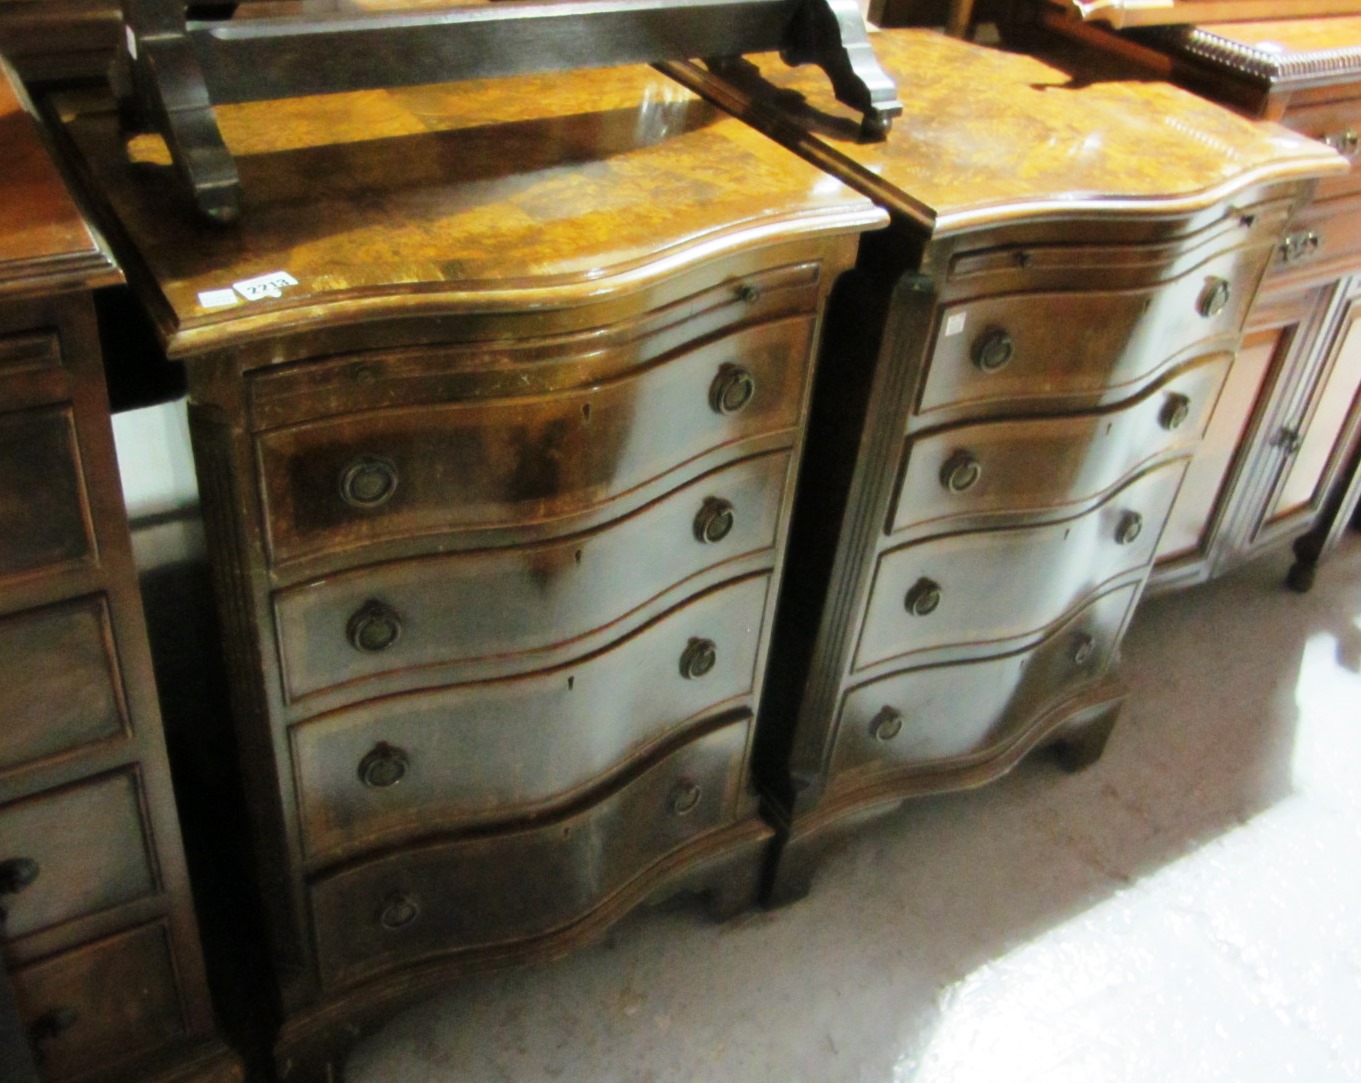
993,350
368,482
15,875
50,1026
1214,298
398,911
924,597
1175,411
374,627
961,472
699,657
887,724
714,521
1128,529
1084,647
684,798
732,389
383,766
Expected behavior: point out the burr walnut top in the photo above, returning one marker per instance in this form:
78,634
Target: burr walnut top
989,136
44,241
519,193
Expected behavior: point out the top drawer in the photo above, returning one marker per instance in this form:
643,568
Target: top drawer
365,478
1025,346
1337,123
44,511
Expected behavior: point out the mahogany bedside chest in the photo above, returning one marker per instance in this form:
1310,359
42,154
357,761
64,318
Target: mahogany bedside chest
1043,335
100,938
498,394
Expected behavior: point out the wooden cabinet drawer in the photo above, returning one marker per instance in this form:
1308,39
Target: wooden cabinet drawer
29,351
400,619
1022,346
398,768
973,472
364,478
985,586
1337,123
61,688
44,512
935,714
515,885
83,848
101,1004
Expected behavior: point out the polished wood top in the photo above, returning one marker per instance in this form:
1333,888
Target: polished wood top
44,241
1278,53
484,195
989,136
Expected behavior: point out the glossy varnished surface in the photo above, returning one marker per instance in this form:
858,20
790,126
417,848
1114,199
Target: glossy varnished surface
42,235
565,189
989,136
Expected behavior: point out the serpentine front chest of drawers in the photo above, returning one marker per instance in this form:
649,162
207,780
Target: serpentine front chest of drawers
497,392
100,939
1044,333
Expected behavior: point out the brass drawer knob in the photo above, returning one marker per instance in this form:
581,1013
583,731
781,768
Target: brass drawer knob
961,472
748,293
1344,142
684,798
886,725
993,350
731,390
383,766
374,627
1214,298
1084,647
398,911
698,658
1129,528
1176,409
924,597
714,521
368,482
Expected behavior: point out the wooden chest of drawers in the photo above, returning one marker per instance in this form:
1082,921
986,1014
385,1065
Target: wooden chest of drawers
1043,335
100,937
497,486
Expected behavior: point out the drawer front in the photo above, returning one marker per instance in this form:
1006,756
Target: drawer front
395,769
95,1007
498,889
44,512
1040,345
1337,123
79,850
936,714
403,617
29,351
992,468
61,688
364,478
992,585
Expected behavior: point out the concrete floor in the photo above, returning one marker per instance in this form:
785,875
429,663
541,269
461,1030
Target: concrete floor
1186,910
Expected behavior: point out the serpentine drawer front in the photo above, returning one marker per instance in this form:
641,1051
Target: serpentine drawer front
498,490
444,898
1033,350
100,939
374,774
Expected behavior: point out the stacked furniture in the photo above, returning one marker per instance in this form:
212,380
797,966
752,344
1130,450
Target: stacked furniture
498,393
1282,463
100,938
1035,350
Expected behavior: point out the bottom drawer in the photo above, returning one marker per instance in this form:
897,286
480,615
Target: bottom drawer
104,1003
936,714
515,885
